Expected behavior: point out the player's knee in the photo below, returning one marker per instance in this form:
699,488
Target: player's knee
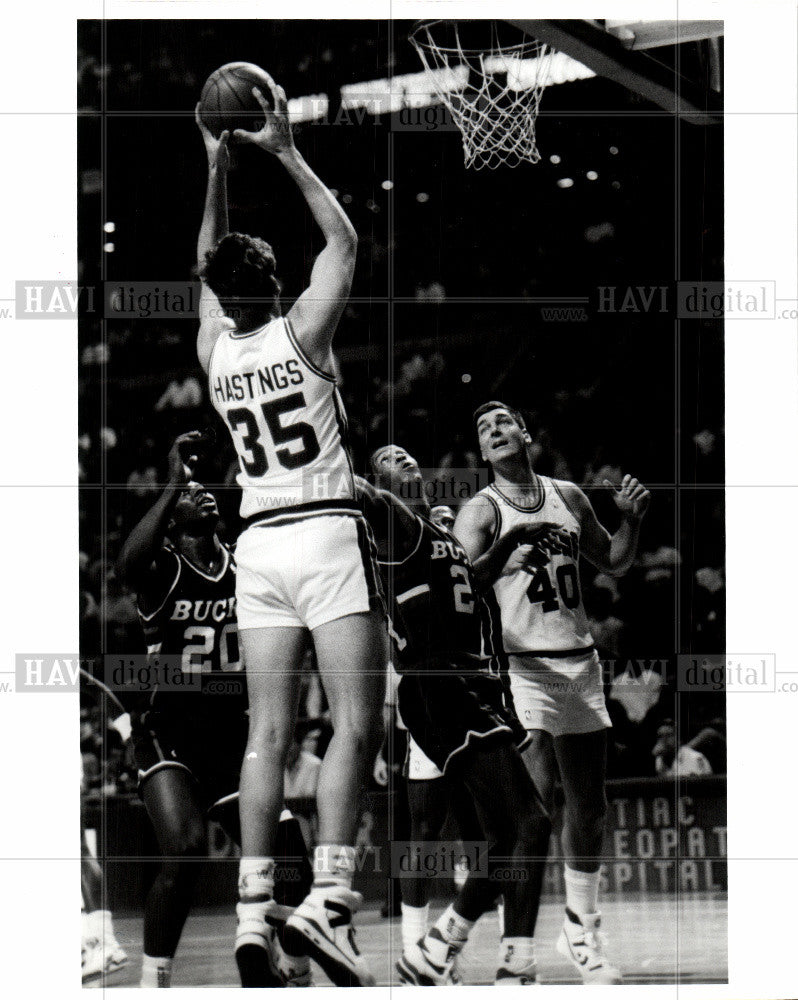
269,737
180,870
192,842
364,730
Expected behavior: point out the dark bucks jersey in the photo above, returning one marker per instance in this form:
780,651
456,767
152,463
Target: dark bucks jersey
189,621
436,610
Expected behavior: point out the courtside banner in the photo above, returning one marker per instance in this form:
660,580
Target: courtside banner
662,837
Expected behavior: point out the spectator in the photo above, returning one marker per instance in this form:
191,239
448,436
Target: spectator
689,760
181,396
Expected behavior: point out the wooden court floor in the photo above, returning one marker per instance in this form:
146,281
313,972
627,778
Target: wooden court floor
653,939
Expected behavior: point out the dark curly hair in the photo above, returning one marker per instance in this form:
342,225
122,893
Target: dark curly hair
240,272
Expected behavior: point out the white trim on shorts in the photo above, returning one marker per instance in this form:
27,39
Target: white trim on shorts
160,766
474,734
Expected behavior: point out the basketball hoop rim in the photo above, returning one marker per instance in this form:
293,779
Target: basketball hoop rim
520,48
428,23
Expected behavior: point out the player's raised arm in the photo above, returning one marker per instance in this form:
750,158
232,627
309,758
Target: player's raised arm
612,554
315,314
521,548
214,226
146,539
395,527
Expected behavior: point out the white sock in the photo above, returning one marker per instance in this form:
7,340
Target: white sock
255,879
333,865
581,891
516,953
98,924
93,924
156,972
454,928
461,871
415,920
107,924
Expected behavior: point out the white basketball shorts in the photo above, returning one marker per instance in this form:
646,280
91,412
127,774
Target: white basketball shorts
561,695
306,572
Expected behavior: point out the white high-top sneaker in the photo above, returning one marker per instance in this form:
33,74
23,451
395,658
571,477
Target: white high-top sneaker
581,941
257,946
321,927
295,970
92,961
526,977
101,953
431,961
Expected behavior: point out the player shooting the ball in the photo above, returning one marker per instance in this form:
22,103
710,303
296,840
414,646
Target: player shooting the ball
306,559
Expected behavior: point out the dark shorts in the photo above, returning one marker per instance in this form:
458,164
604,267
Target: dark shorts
209,747
448,710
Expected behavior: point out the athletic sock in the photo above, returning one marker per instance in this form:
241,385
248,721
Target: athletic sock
453,928
516,954
107,925
255,879
93,924
581,891
156,972
415,920
333,865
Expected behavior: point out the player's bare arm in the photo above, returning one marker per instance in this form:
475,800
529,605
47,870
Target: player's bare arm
522,548
315,314
394,526
612,554
214,226
146,539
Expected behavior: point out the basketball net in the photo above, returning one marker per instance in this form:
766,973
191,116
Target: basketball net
493,94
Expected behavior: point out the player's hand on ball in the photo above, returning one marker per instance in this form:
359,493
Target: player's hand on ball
183,457
631,499
275,134
218,153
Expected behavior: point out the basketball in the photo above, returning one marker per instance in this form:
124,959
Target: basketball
227,101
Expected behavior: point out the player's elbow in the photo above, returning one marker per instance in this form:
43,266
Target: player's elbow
345,241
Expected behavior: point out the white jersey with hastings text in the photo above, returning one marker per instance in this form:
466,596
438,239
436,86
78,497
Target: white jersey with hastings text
286,419
541,612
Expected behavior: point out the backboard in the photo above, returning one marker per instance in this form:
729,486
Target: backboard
674,64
